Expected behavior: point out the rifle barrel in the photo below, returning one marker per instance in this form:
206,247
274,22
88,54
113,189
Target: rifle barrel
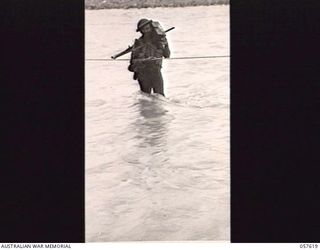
169,29
129,49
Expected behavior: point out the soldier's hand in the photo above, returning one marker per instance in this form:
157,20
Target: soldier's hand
131,68
164,44
164,40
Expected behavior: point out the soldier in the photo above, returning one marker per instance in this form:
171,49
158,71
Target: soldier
147,54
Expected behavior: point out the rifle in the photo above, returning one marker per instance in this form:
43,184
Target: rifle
129,49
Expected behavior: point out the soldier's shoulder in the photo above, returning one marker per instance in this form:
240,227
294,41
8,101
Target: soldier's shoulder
139,40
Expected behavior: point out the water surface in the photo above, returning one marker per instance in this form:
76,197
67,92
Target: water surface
158,168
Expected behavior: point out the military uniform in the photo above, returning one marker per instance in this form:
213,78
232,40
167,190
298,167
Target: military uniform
147,70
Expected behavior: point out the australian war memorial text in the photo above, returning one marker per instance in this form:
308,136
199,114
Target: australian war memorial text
34,245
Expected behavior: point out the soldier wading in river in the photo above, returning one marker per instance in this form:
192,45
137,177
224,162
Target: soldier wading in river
147,54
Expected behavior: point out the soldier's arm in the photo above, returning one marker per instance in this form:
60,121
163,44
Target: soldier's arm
135,49
133,56
136,54
166,50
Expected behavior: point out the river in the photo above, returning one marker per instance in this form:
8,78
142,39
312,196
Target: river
158,169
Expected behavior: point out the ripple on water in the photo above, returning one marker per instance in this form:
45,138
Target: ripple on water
95,103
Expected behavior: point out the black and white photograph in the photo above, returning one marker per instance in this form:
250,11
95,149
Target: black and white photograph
188,124
157,121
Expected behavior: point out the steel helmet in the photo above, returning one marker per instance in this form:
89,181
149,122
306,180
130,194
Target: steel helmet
142,22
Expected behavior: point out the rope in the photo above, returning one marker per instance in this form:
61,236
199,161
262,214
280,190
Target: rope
152,59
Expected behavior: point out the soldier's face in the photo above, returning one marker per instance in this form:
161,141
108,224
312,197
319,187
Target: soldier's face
146,29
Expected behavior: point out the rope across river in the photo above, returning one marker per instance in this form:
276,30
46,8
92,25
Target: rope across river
152,59
131,48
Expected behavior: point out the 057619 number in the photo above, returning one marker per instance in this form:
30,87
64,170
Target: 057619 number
305,245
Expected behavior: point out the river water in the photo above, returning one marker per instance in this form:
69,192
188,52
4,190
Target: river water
158,169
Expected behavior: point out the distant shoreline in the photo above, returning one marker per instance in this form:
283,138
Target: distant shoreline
128,4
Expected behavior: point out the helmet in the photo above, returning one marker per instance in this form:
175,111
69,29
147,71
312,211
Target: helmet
142,22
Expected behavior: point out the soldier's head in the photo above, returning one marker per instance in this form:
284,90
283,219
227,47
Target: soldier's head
144,26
